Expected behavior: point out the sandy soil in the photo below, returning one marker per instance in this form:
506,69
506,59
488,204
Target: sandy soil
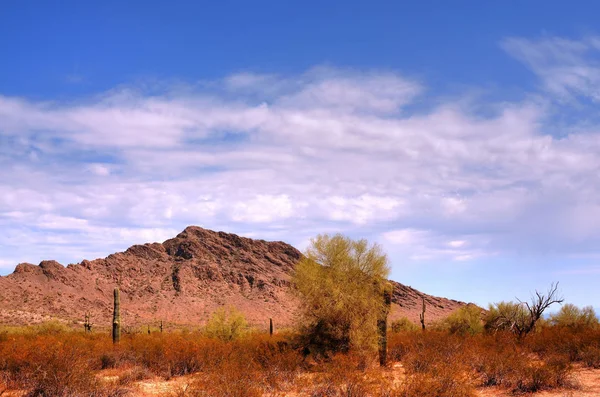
588,381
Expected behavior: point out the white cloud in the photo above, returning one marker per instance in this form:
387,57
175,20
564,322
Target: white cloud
57,222
263,208
456,243
99,169
568,68
419,245
361,210
405,237
287,157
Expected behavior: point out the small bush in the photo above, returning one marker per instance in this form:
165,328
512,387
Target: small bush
436,363
466,320
435,385
226,324
591,356
551,374
134,374
571,316
403,324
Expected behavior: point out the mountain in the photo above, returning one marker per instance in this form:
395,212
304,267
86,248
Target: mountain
181,281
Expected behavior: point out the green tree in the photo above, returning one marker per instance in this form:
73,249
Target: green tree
226,324
506,316
465,320
341,283
572,316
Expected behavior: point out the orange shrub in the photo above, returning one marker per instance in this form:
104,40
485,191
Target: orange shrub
435,363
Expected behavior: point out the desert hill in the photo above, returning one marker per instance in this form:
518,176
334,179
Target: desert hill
181,281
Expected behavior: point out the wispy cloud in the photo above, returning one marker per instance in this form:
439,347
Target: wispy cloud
288,156
431,245
568,68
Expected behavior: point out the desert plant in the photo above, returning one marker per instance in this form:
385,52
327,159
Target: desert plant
116,325
382,324
465,320
226,324
572,316
87,325
403,324
521,317
422,315
339,281
437,364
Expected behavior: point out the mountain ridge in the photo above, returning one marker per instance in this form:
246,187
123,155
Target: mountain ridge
180,281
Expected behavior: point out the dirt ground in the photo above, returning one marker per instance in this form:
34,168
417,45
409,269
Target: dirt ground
588,381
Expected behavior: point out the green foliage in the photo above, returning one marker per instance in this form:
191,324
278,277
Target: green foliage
340,282
465,320
521,318
403,324
226,324
572,316
51,327
505,316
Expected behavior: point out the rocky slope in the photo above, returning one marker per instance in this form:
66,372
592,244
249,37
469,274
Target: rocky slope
180,281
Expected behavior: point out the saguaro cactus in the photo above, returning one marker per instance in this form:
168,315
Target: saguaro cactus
382,322
422,316
270,327
116,327
87,325
161,326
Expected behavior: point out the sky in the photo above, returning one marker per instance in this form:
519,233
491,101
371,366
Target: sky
463,136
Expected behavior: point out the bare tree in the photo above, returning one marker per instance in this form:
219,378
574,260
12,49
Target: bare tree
522,317
539,303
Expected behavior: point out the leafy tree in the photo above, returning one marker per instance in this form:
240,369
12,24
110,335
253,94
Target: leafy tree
341,284
505,316
572,316
465,320
226,324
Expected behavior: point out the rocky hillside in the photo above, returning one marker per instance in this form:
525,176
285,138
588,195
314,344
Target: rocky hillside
181,281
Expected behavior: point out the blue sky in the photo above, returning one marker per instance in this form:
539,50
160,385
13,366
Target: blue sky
462,136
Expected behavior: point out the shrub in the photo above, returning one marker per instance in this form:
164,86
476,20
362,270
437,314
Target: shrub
522,317
51,364
226,324
465,320
345,375
134,374
447,383
403,324
505,316
553,373
339,281
571,316
497,358
437,364
591,356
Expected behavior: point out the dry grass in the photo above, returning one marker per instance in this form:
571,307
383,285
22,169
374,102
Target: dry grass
61,363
